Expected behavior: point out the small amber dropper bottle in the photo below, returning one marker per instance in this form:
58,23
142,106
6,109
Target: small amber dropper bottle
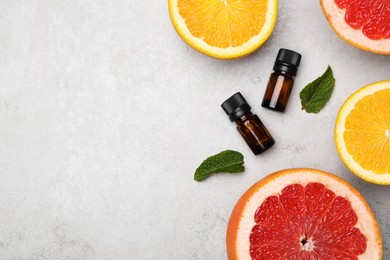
281,80
248,125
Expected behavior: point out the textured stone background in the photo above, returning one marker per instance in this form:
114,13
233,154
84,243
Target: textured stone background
105,113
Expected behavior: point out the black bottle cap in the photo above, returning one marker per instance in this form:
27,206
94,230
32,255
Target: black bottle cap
288,61
235,106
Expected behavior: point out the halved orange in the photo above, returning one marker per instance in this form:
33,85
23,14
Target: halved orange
362,133
224,29
303,214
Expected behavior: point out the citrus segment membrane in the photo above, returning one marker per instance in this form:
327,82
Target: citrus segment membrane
370,16
306,222
223,23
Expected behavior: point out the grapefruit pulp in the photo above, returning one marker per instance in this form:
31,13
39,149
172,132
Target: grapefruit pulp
303,214
363,23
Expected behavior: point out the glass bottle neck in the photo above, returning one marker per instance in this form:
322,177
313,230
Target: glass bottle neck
284,73
244,117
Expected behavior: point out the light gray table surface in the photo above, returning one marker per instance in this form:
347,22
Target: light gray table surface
105,113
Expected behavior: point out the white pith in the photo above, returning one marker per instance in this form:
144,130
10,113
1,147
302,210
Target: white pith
309,245
336,17
366,224
367,175
230,52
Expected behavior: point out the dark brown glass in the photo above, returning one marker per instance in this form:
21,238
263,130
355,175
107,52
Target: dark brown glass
254,132
278,91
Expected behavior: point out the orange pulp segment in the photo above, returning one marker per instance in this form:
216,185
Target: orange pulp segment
223,23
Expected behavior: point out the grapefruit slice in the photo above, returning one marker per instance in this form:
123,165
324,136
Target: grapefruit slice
224,29
362,133
303,214
363,23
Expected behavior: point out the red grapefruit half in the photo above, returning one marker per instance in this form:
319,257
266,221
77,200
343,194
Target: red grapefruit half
303,214
363,23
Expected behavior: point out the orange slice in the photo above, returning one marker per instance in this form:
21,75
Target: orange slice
362,133
224,29
303,214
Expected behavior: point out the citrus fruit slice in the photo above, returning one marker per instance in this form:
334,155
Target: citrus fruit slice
303,214
363,23
224,29
362,133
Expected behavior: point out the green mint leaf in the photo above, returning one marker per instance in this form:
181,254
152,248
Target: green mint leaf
317,93
226,161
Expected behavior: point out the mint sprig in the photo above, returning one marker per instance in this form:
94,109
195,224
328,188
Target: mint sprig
317,93
227,161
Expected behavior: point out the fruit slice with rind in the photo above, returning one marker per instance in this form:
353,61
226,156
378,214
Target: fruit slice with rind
362,23
303,214
362,132
224,29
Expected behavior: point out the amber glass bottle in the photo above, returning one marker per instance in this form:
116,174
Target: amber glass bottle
281,80
248,125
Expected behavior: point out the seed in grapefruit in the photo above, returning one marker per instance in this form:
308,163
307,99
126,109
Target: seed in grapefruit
363,23
362,133
224,29
302,214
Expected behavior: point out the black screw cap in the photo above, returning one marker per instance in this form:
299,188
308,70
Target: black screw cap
288,61
235,106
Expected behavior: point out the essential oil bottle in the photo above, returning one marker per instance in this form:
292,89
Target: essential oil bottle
248,125
281,80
